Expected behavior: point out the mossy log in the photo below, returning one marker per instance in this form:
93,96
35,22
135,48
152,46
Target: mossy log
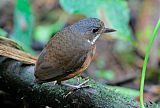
18,79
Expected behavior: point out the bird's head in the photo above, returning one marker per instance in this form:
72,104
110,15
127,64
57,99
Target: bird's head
90,29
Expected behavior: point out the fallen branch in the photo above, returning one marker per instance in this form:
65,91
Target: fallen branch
18,79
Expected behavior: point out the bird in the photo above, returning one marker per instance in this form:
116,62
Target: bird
70,51
67,54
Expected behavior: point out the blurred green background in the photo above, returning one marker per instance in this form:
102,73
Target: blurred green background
119,56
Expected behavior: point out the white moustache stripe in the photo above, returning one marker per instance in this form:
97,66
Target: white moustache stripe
94,40
89,41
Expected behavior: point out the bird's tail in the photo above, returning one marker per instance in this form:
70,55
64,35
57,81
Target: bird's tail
11,49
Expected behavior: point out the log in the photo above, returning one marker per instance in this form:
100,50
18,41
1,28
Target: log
18,79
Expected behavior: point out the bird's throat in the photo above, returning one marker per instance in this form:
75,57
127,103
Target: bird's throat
94,39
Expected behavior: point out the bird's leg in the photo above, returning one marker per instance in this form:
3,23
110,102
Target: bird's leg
79,86
55,82
75,87
79,77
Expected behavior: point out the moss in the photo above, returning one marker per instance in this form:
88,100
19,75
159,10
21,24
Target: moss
18,79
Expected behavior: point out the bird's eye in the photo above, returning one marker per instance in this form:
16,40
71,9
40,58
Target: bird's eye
95,30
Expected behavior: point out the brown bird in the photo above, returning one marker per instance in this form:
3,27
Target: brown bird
66,55
70,51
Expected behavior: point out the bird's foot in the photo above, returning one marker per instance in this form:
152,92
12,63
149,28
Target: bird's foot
76,87
55,82
79,86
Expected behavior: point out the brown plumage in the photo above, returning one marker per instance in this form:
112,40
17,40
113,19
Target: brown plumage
70,51
66,55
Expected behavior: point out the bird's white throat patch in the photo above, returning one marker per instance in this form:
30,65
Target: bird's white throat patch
94,40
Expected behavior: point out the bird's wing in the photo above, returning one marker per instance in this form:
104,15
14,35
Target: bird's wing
79,69
50,71
61,56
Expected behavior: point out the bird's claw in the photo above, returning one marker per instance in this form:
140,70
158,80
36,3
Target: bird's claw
76,87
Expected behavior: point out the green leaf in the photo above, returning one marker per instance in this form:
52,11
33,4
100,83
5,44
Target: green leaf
106,74
23,24
44,32
115,13
155,105
100,62
2,32
143,73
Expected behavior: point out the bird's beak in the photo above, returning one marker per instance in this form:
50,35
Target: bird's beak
107,30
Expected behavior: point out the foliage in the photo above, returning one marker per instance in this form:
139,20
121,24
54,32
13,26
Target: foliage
155,105
145,62
23,24
2,32
102,72
44,32
114,13
106,74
